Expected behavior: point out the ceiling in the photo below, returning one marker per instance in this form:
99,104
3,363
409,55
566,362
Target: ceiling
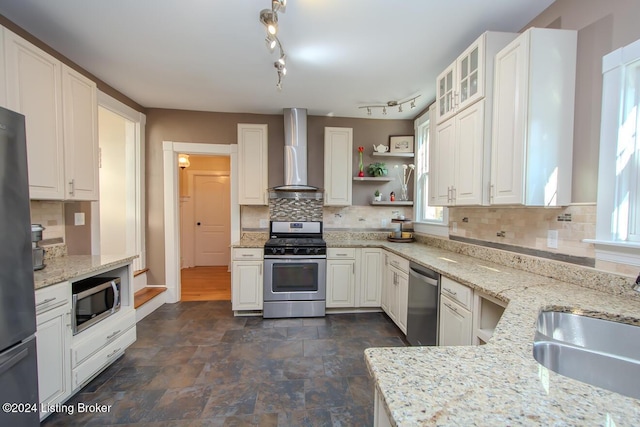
211,55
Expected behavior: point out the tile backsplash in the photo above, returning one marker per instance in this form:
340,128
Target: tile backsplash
51,215
528,227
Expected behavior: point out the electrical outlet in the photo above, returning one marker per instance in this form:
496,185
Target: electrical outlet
454,227
264,223
384,222
552,239
78,218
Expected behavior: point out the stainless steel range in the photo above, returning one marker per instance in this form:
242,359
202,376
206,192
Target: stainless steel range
295,263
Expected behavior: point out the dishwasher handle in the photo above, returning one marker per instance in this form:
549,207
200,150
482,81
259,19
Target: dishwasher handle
425,279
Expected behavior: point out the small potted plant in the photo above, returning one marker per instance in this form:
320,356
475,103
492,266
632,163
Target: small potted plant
377,169
377,196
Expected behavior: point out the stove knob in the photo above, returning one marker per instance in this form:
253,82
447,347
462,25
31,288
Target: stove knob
274,250
295,251
282,251
308,251
316,251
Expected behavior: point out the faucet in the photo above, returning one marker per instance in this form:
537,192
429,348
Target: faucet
636,286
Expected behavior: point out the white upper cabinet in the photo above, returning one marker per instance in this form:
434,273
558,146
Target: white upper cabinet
468,78
60,108
532,140
79,101
253,180
34,89
338,154
460,154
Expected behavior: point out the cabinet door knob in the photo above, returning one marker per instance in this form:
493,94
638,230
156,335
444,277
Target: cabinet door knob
198,224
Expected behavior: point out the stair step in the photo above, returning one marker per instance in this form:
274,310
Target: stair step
139,272
147,294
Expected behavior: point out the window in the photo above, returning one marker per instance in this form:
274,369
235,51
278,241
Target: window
432,220
618,214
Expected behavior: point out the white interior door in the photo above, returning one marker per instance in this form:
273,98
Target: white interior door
212,220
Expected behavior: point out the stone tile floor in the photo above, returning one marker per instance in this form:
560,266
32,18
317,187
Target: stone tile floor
195,364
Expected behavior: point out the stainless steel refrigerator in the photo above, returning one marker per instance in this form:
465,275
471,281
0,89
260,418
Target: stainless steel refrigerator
18,363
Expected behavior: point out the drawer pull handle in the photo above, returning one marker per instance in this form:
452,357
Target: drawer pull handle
247,255
341,254
113,353
452,308
46,301
450,292
113,334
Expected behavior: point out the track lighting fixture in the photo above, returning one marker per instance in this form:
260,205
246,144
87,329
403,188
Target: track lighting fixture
269,18
410,101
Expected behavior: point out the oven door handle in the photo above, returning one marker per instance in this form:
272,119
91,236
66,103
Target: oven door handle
116,296
295,257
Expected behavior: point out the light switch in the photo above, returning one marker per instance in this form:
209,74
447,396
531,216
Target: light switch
264,223
78,218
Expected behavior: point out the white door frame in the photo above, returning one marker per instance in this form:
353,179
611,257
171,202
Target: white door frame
171,204
135,154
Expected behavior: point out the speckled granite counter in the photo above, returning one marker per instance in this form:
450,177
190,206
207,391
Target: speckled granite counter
68,267
499,383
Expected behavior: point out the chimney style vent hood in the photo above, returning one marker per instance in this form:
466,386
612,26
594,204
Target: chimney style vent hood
295,152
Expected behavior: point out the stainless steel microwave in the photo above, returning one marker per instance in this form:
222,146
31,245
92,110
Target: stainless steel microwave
93,300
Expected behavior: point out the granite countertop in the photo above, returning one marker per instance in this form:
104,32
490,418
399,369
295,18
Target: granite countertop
71,266
499,383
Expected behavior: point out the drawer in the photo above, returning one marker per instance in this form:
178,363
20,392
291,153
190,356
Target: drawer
398,262
240,254
341,253
457,292
52,297
103,358
103,333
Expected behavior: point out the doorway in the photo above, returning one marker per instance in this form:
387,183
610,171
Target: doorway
205,225
172,204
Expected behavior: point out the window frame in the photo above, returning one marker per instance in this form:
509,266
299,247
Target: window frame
612,243
422,223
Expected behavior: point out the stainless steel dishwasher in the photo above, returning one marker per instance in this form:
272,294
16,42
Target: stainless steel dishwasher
422,315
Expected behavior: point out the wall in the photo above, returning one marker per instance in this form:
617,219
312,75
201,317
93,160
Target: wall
221,128
51,216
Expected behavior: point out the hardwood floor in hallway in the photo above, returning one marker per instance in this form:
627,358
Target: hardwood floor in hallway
206,284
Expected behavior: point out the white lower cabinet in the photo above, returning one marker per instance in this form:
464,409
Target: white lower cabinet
456,318
53,340
341,277
455,323
98,346
380,417
247,279
396,289
370,277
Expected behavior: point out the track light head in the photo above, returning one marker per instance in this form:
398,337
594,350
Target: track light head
279,5
270,20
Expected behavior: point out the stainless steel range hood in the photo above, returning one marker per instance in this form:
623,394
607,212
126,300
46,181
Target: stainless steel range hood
295,152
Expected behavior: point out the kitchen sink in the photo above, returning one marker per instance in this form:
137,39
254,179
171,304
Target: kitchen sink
595,351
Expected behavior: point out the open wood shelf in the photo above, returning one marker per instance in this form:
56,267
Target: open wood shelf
376,154
373,178
396,203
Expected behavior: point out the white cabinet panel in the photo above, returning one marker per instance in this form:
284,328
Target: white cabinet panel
455,323
253,178
532,141
53,340
338,154
80,135
340,283
370,277
246,285
34,89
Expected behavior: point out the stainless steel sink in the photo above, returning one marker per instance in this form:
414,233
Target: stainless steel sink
595,351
